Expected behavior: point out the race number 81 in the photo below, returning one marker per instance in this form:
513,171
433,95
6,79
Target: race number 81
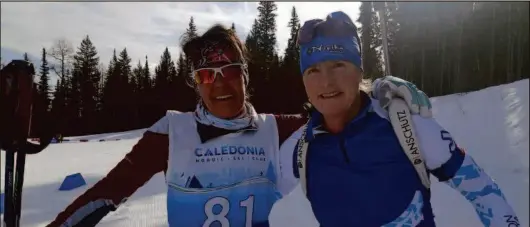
220,217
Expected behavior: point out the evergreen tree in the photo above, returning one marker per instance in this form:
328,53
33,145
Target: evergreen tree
58,104
44,88
146,76
443,47
255,65
59,100
191,31
113,66
124,61
147,116
265,56
164,72
435,44
251,42
135,94
136,79
100,84
85,83
370,41
26,58
112,105
292,56
181,66
183,87
267,31
129,121
233,27
289,84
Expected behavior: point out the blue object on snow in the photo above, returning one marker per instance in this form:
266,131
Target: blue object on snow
2,203
73,181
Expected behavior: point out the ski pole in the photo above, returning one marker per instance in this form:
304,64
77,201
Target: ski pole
17,93
16,85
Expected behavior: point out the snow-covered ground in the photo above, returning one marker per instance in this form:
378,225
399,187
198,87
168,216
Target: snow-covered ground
491,124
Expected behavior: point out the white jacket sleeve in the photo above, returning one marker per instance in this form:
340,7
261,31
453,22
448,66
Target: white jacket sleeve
451,165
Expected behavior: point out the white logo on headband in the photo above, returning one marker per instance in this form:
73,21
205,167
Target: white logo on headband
212,52
334,48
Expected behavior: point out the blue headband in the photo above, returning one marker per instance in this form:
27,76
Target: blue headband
329,49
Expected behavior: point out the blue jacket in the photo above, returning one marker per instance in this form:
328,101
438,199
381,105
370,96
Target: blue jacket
361,177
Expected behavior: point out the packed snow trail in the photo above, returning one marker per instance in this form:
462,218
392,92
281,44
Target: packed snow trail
491,124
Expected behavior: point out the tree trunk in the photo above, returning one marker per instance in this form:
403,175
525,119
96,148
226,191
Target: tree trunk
509,63
456,87
492,55
519,43
442,56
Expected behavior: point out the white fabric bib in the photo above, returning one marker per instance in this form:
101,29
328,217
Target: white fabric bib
227,181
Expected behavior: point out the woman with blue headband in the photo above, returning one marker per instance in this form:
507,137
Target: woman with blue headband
350,161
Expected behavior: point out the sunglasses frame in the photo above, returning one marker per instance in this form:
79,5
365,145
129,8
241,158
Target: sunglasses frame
244,68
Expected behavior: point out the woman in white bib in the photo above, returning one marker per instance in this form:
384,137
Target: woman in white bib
221,162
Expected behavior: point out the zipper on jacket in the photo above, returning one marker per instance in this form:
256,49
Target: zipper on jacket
343,149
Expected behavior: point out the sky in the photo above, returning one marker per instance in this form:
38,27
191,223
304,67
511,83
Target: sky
144,28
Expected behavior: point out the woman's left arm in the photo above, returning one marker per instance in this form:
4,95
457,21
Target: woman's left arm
451,165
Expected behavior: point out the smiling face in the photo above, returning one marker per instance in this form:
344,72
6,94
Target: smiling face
223,96
332,86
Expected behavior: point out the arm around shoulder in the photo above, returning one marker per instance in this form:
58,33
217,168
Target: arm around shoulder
288,169
288,124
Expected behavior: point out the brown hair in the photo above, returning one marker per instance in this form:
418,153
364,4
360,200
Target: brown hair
218,33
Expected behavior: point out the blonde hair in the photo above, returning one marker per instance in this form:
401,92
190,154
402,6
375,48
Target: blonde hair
366,83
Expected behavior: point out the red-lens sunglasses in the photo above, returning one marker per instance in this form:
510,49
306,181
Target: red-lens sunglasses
228,72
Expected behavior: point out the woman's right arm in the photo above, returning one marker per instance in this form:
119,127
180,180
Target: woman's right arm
456,168
147,158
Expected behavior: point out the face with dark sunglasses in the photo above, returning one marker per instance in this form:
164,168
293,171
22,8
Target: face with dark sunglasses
220,81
